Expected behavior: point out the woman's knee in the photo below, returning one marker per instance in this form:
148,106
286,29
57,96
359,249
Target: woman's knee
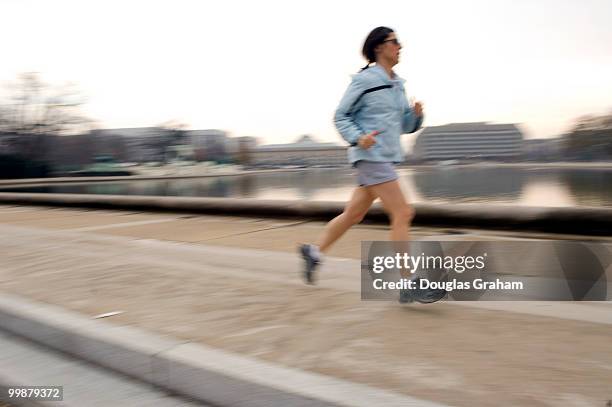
355,217
404,214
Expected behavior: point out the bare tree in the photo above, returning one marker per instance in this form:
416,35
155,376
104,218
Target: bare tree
590,138
173,133
35,112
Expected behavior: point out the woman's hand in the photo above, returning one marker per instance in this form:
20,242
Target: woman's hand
368,140
418,109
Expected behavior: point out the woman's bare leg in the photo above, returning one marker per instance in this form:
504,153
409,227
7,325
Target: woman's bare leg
394,202
401,214
353,213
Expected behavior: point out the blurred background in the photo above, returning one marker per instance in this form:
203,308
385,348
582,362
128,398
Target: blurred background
146,88
234,101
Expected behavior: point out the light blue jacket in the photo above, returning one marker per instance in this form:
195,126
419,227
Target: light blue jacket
373,101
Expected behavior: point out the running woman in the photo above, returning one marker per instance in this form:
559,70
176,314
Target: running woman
371,116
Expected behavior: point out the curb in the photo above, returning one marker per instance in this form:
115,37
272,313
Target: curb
6,381
592,221
76,179
194,370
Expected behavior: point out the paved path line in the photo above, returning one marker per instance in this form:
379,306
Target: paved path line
270,266
120,225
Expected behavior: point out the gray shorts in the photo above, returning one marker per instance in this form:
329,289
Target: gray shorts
373,172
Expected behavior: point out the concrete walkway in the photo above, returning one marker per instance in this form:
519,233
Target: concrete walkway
26,364
232,284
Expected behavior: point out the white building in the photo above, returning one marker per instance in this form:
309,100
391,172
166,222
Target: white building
304,152
469,141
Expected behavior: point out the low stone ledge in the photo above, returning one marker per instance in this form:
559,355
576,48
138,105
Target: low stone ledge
574,220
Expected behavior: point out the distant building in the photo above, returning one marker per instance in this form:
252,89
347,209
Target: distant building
135,145
146,144
141,144
304,152
469,141
246,147
210,145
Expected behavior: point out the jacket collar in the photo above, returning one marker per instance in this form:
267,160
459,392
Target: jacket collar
380,71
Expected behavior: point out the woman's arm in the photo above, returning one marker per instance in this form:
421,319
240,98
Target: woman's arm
412,120
343,118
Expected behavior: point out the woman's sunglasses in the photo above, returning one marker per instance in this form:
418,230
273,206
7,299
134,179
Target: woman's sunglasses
392,40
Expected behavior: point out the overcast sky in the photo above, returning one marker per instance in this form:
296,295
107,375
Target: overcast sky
277,69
